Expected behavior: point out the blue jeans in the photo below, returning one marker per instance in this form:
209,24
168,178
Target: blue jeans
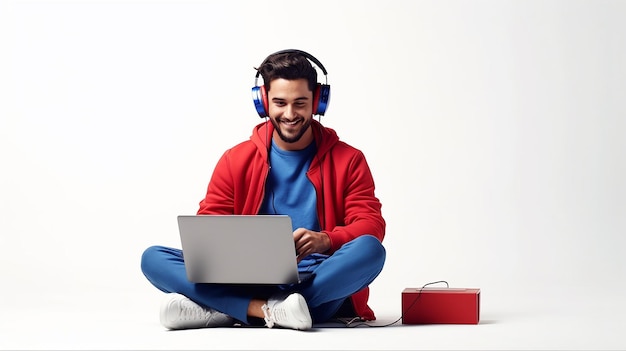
351,268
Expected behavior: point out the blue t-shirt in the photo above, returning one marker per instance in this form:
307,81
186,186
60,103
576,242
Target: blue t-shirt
288,190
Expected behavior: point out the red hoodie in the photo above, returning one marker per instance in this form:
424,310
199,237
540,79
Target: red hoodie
346,203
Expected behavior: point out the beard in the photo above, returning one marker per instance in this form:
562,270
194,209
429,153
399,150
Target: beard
292,138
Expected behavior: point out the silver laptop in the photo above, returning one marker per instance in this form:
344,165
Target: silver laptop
239,249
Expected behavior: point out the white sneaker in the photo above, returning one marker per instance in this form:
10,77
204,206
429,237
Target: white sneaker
287,312
179,312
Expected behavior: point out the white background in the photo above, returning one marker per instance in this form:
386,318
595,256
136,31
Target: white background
494,130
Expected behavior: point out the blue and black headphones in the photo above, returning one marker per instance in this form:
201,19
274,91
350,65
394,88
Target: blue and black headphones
321,95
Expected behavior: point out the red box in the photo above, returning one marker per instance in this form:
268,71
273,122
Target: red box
440,306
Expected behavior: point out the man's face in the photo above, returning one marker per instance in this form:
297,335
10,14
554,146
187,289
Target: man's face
290,110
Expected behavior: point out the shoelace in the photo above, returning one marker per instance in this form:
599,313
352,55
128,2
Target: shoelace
276,315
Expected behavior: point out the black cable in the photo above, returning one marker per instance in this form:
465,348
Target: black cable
323,214
362,323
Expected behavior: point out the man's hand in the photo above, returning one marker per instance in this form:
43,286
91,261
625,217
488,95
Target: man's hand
308,242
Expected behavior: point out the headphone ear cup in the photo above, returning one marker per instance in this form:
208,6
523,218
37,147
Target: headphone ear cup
259,97
321,98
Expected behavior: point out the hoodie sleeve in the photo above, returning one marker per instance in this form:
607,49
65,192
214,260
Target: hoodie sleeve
219,197
238,182
357,210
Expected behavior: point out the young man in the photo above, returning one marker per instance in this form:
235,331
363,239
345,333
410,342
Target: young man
295,166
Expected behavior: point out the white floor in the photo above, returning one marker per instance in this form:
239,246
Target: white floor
556,317
508,115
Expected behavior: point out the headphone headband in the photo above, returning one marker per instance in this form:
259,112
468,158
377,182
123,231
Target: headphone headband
293,51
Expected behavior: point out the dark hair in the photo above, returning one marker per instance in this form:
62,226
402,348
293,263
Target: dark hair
290,66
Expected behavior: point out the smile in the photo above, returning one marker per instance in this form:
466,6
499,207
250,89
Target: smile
290,123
